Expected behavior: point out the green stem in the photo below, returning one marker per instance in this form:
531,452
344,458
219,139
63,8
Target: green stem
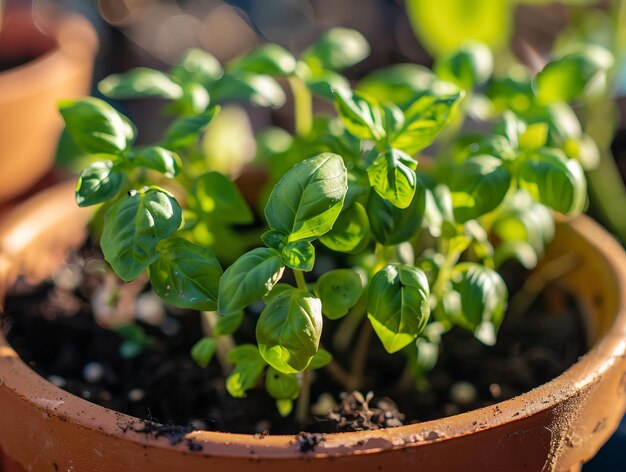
225,343
444,273
300,282
303,106
302,407
359,357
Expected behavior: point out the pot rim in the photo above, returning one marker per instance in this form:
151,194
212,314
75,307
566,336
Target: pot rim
602,356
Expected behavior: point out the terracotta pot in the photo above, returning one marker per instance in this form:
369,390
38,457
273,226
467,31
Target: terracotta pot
557,426
60,49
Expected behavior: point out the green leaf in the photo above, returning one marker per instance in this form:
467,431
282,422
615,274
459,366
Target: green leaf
425,118
203,351
228,324
555,181
361,115
573,75
248,279
133,226
157,158
299,255
392,174
476,301
185,131
443,26
307,200
535,137
321,359
198,66
351,231
324,82
337,49
249,367
217,195
260,90
392,225
274,239
97,183
399,83
140,82
478,186
289,329
339,290
186,275
468,67
268,59
284,407
195,99
522,251
95,126
281,386
398,305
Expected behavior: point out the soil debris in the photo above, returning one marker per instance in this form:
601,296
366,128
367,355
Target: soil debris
175,434
307,442
354,413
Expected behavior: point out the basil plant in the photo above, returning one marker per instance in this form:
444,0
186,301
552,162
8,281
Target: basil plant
417,213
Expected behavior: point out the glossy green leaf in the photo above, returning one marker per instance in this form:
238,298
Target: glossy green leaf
324,82
398,305
339,290
274,239
476,301
478,186
98,183
392,175
268,59
198,66
249,366
133,226
216,195
186,275
399,83
572,75
351,231
535,137
392,225
361,115
95,126
195,99
140,82
307,200
157,158
337,49
289,329
299,255
203,351
443,26
281,386
555,181
321,359
184,131
425,118
228,324
260,90
468,67
248,279
521,251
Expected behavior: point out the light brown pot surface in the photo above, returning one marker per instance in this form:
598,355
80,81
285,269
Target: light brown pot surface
554,427
63,47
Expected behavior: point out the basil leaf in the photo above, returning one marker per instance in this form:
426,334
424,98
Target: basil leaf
339,290
268,59
98,182
299,255
274,239
337,49
195,99
184,131
289,329
140,82
553,180
260,90
186,275
398,305
478,186
522,251
95,126
468,67
391,225
228,324
361,115
248,279
249,367
399,83
476,302
198,66
307,200
281,386
324,82
351,231
216,195
535,137
321,359
133,227
157,158
392,174
203,351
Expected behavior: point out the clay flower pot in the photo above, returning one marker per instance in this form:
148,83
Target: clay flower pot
59,50
557,426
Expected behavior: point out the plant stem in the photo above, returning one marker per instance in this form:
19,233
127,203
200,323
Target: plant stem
359,358
224,343
302,407
303,106
300,279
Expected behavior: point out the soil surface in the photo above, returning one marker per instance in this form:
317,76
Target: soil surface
52,327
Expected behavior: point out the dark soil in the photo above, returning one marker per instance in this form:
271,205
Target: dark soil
53,329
